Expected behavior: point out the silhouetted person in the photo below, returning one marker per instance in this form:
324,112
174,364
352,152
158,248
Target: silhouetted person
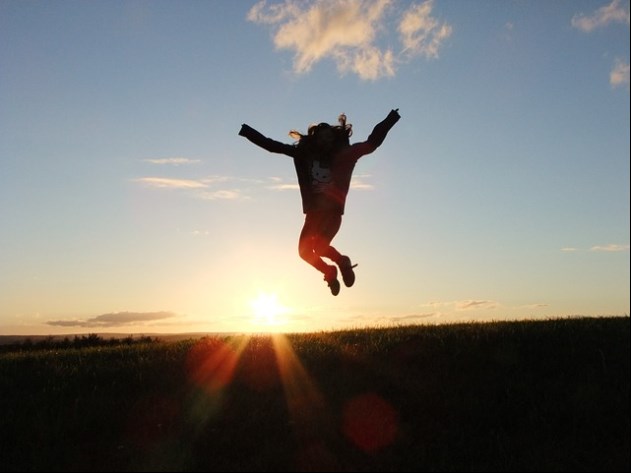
324,160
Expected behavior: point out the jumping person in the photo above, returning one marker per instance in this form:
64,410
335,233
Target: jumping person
324,161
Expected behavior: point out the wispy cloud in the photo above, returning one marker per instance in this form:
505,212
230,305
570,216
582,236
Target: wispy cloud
172,161
359,182
422,34
346,31
446,308
217,179
115,319
611,248
279,184
619,76
170,183
463,304
533,306
208,188
284,187
478,304
615,12
403,319
223,194
223,187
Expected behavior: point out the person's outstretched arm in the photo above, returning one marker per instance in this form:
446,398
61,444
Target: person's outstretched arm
267,144
375,139
382,128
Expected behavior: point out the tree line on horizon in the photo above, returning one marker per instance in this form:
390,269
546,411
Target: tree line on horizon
78,341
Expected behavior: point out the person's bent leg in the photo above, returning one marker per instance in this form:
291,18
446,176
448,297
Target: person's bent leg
329,226
306,250
310,241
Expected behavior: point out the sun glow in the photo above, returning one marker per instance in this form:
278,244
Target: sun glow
268,312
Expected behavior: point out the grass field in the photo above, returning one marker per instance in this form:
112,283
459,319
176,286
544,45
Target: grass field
506,396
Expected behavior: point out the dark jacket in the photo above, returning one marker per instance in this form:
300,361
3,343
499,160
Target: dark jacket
324,180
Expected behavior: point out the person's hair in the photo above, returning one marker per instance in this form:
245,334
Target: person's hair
343,132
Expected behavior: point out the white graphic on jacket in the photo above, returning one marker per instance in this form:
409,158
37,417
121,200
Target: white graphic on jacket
321,177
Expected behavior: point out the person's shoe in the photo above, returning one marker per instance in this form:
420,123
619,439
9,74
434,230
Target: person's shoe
330,276
348,275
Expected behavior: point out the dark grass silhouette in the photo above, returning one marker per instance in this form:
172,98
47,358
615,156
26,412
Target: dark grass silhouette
516,396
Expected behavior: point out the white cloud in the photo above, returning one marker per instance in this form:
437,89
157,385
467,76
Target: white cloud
368,63
211,187
261,13
223,194
619,76
174,161
610,248
346,31
614,12
421,34
217,187
284,187
168,183
279,184
216,179
358,182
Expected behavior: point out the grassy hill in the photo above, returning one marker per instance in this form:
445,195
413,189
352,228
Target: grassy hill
514,396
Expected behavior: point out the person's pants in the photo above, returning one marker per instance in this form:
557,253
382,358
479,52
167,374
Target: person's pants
317,233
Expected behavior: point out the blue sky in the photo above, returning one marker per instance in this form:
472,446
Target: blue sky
129,203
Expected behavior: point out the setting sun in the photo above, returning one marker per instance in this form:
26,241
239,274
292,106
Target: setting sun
267,311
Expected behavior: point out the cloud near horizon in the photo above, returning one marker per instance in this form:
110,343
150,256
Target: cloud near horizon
177,161
481,304
464,304
358,182
473,309
170,183
610,248
201,187
222,187
222,194
346,32
115,319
